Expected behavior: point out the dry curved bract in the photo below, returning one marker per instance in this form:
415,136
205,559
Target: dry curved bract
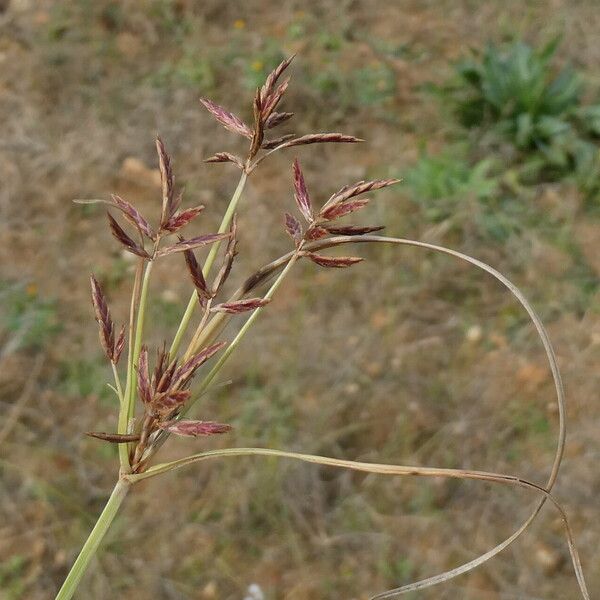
401,470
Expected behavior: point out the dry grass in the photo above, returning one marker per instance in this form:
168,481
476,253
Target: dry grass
80,103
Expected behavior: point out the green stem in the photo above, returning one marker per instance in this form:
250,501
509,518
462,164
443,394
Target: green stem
118,384
189,311
139,330
139,327
127,407
123,422
91,545
241,333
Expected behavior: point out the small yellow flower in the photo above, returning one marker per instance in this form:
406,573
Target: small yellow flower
239,24
257,65
31,290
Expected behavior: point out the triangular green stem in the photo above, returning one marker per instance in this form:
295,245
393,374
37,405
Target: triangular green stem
91,545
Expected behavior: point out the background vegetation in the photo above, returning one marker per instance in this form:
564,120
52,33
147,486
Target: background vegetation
490,111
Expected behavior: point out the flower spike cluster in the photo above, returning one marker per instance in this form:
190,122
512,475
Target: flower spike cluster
164,390
323,224
265,117
163,393
112,346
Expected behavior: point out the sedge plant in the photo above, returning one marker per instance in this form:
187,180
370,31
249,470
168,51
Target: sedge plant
156,388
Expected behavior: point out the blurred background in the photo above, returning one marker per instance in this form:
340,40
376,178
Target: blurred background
490,112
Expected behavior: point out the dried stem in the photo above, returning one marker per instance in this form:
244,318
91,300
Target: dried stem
284,261
384,469
268,270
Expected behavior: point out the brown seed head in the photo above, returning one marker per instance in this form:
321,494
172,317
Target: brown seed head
338,262
341,209
197,277
196,242
293,228
182,218
167,181
102,313
240,306
221,157
276,142
230,254
226,118
144,389
195,428
120,235
353,230
277,118
133,216
360,187
301,193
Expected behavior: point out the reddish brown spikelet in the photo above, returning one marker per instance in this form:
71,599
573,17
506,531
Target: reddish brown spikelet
169,401
353,230
144,389
360,187
162,361
293,228
119,345
102,313
182,218
230,254
133,216
196,275
195,428
124,239
114,438
276,142
163,374
277,118
316,233
301,193
270,103
338,262
258,132
196,242
321,138
221,157
167,182
341,209
175,204
187,370
226,118
273,77
240,306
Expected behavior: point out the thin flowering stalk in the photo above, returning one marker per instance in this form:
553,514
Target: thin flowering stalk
193,301
195,343
123,420
242,332
139,328
118,383
265,102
